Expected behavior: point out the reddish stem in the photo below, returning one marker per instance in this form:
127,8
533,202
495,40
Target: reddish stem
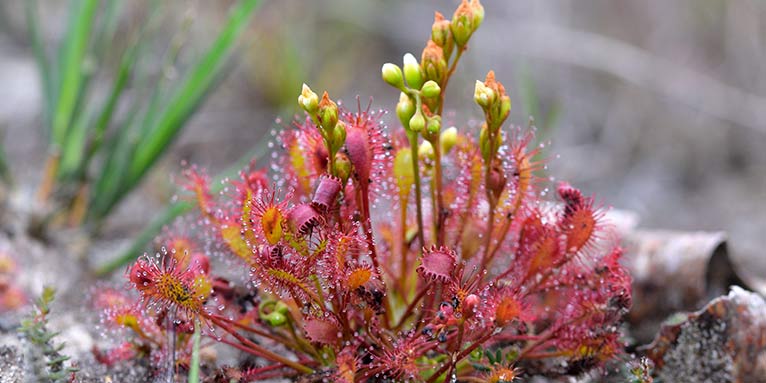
253,348
459,357
411,307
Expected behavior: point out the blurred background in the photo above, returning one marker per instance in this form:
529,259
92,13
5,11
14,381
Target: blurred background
655,106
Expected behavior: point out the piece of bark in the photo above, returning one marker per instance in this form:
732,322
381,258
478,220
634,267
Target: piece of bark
675,271
723,342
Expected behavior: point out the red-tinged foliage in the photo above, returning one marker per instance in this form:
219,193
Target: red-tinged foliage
353,278
12,296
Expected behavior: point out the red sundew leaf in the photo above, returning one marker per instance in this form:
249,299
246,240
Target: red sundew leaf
365,147
437,264
326,193
303,218
360,153
198,183
305,156
164,283
322,331
581,222
358,277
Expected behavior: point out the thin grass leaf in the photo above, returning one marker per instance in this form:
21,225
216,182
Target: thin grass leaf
70,66
101,124
72,152
172,116
174,211
193,90
43,65
107,29
5,172
194,363
110,179
120,144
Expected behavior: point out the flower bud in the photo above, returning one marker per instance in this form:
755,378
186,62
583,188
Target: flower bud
496,181
328,112
440,32
425,150
412,71
461,25
281,307
505,107
483,95
343,167
405,109
434,63
275,319
448,139
308,100
392,74
417,122
339,134
430,89
478,14
434,126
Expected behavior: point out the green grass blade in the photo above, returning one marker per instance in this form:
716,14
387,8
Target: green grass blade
74,147
43,65
71,61
194,363
147,235
175,210
107,28
111,177
5,172
183,102
107,111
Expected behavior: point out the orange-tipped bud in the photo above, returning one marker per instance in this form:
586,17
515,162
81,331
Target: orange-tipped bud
328,112
434,63
440,30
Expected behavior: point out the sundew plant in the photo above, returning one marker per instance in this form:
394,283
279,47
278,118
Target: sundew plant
371,253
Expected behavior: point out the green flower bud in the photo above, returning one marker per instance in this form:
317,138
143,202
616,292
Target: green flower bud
434,126
478,14
308,100
339,134
505,107
448,139
430,89
392,74
483,95
275,319
328,112
461,25
426,150
440,32
343,167
417,122
405,109
282,308
412,71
